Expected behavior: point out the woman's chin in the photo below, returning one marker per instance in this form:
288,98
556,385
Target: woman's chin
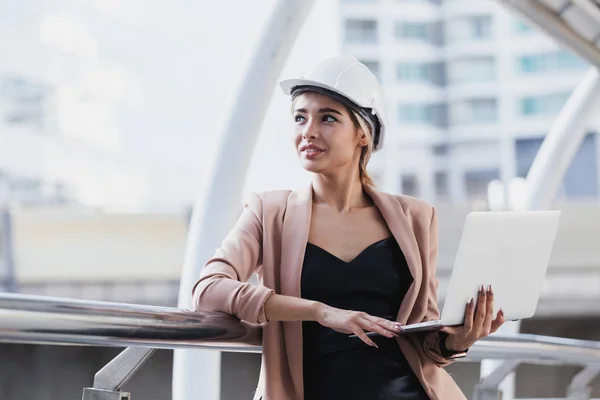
311,166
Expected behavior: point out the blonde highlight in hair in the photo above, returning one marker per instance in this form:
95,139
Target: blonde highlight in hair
367,150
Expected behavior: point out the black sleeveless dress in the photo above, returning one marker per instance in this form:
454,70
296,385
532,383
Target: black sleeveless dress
337,366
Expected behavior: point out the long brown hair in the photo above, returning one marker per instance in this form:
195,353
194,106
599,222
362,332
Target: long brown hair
362,126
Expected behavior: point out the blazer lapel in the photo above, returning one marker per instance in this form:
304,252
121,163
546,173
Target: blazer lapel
294,236
397,221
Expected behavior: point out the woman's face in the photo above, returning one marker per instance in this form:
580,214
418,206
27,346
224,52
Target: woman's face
325,135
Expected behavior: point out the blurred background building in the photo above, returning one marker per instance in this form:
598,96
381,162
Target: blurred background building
472,90
108,114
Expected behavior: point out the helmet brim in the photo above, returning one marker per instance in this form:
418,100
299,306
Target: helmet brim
288,86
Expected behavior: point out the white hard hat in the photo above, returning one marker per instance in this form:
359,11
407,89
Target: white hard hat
350,82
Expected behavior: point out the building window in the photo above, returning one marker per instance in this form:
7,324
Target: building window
545,105
550,62
430,32
412,30
429,114
413,72
474,111
441,185
373,66
25,190
472,69
440,149
481,27
361,31
421,72
476,182
413,113
410,185
470,28
23,103
581,178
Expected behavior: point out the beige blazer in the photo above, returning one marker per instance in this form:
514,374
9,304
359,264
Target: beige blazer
270,239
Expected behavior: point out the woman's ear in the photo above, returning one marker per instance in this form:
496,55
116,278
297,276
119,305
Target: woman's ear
363,140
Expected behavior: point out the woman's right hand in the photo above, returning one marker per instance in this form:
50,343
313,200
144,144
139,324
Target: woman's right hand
356,322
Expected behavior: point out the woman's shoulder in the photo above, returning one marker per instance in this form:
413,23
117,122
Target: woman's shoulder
268,195
410,202
413,202
413,208
271,199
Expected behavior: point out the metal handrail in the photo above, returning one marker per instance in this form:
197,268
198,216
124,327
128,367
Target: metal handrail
51,320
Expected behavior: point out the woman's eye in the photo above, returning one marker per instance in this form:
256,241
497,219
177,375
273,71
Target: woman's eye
329,118
298,118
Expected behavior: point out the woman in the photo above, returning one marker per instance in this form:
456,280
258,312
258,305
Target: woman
340,259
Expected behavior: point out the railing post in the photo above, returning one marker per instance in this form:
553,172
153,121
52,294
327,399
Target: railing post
579,388
109,381
99,394
7,264
488,388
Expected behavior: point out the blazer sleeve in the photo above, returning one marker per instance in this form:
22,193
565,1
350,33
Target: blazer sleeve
223,285
430,340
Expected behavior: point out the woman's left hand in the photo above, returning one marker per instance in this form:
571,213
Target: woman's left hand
479,322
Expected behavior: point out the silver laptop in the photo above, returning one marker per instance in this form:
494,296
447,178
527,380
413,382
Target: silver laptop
509,250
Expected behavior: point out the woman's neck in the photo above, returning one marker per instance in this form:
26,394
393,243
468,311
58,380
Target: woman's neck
341,193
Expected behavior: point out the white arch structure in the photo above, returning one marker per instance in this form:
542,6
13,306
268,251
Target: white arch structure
197,373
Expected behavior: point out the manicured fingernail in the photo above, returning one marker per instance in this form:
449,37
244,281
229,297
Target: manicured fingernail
501,312
471,302
398,326
491,291
375,345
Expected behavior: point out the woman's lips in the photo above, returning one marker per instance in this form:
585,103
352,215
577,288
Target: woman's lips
311,152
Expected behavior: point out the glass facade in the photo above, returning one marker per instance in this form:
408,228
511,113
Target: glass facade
361,31
428,114
581,178
545,105
474,111
556,61
433,73
472,69
479,27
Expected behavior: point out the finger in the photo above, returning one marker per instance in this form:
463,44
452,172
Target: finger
363,336
497,323
480,310
470,310
489,312
391,326
369,326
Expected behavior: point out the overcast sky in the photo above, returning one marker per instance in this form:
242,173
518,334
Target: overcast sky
147,82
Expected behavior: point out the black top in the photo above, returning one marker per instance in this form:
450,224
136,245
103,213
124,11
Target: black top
337,366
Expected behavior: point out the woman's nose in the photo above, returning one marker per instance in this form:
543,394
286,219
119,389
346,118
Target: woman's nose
310,130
